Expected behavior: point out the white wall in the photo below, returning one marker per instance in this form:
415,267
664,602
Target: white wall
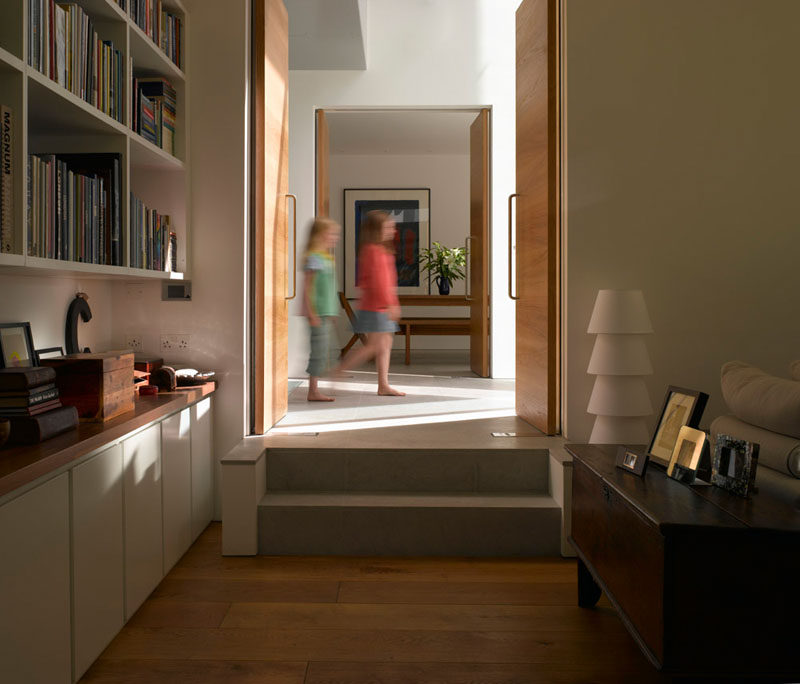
683,155
423,53
215,318
44,301
447,176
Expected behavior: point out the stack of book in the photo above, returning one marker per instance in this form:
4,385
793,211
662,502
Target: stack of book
153,111
163,28
29,399
150,246
7,170
75,207
66,48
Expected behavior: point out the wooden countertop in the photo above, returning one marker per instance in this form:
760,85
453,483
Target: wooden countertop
21,465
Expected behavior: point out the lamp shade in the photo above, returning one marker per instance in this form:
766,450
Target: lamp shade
619,430
620,355
620,395
620,311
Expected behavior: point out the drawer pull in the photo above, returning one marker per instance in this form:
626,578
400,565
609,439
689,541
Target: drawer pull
606,493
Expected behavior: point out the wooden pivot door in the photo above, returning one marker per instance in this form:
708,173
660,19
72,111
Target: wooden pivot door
478,245
270,178
538,209
323,196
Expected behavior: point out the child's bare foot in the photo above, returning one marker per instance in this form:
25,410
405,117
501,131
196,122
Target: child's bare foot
319,396
390,392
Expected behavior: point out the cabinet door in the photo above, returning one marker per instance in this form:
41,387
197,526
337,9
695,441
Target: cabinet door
97,555
176,470
143,519
35,586
202,467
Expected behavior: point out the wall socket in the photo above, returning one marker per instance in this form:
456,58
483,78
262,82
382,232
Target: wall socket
133,342
176,342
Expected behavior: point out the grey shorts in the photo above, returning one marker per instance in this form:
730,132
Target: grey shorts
374,321
319,359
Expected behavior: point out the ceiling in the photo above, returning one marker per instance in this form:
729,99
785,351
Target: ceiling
400,132
327,34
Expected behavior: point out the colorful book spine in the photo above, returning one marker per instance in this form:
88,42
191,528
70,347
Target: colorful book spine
149,237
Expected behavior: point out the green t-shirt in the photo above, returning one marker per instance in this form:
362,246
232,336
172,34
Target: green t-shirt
323,293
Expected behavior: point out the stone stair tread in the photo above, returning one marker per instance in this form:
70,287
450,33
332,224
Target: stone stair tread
406,500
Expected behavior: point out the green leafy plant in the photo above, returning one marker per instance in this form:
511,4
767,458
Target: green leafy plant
445,263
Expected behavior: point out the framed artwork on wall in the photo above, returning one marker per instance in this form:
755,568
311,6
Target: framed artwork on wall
410,208
16,346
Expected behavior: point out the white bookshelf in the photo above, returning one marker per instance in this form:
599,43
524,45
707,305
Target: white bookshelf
50,119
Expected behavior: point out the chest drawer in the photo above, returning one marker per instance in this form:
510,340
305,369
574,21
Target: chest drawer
625,549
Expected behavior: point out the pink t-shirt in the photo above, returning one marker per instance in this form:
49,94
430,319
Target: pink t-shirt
377,278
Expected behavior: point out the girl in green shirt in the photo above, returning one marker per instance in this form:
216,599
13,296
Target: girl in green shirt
319,299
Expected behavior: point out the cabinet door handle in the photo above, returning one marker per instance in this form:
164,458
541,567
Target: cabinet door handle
510,237
468,288
606,493
294,245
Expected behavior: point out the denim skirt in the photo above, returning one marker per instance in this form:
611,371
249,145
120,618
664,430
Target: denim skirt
374,321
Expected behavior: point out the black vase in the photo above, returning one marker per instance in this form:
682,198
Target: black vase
444,285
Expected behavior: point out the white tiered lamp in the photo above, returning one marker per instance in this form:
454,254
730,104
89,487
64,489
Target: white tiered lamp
620,361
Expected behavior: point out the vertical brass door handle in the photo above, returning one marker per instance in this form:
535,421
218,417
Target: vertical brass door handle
294,245
510,238
468,288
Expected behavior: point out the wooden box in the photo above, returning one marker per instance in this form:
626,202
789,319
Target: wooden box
100,386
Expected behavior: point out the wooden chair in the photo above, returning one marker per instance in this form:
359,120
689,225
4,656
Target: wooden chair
351,316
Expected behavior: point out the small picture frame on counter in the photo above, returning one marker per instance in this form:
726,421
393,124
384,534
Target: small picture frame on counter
733,466
16,346
686,455
632,461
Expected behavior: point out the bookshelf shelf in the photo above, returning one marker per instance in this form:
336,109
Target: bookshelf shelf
10,63
146,155
50,119
148,57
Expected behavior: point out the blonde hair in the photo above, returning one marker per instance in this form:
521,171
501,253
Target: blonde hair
318,228
372,227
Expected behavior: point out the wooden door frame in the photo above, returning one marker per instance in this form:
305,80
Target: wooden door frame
476,109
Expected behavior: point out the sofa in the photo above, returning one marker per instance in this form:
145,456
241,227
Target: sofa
765,409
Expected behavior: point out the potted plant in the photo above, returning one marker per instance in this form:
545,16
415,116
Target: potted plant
444,264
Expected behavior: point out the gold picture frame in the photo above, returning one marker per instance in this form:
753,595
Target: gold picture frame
686,454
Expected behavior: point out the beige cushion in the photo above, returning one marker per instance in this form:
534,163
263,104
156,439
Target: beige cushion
761,399
778,452
794,370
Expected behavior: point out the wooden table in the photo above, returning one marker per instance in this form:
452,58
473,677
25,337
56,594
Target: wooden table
424,325
705,582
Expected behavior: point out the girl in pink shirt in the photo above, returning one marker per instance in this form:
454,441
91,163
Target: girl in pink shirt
378,309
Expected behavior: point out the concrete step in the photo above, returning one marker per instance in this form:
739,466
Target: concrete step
408,470
390,523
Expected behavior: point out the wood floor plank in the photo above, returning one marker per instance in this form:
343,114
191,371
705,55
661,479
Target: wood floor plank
194,672
160,612
242,591
475,673
373,646
411,617
460,593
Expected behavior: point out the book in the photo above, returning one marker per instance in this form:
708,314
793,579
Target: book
34,429
31,400
30,410
17,379
28,392
6,180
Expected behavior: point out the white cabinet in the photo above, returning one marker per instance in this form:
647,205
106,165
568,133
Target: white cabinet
202,467
176,472
35,586
143,518
97,555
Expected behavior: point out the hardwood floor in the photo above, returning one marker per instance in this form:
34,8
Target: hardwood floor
291,620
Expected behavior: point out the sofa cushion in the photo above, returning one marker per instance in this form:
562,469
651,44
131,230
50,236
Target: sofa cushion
761,399
778,452
794,370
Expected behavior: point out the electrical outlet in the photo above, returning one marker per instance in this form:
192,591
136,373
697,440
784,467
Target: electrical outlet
176,342
133,342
